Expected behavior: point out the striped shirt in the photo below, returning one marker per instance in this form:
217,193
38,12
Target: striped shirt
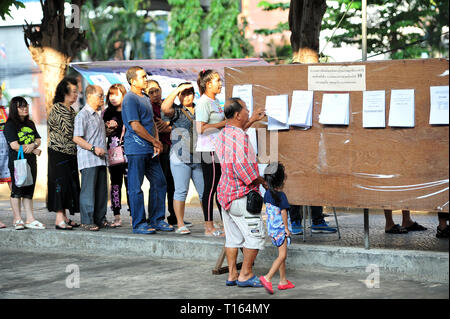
239,166
89,125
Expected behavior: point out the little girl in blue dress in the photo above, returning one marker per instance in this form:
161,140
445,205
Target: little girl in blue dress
278,224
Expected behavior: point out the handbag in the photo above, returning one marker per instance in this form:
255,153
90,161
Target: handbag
22,170
254,202
116,154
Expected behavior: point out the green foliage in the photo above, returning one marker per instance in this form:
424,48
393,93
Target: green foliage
5,7
227,39
408,28
188,20
183,41
267,6
114,22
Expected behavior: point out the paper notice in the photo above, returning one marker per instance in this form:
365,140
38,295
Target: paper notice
401,112
301,109
439,105
335,109
374,109
244,92
337,78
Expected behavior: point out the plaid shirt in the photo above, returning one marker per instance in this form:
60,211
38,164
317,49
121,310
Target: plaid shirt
239,167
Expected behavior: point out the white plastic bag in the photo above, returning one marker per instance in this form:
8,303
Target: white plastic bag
22,171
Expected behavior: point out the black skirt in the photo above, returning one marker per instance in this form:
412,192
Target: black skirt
63,182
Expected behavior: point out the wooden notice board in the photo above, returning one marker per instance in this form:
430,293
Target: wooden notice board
352,166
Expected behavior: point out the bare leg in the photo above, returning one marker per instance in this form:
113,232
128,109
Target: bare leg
179,207
28,206
246,270
282,253
15,205
389,221
232,254
406,218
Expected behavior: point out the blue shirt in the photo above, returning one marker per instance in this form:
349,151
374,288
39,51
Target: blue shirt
275,224
137,108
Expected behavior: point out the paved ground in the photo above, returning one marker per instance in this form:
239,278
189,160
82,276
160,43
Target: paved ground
42,275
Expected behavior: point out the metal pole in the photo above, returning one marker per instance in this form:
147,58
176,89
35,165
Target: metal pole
366,228
364,30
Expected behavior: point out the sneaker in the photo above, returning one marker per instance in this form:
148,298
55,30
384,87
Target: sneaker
297,228
442,233
322,228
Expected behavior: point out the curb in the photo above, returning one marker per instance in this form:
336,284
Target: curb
404,264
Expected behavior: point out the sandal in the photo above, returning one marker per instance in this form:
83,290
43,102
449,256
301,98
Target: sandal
89,227
215,233
117,223
63,226
35,225
19,224
396,229
2,225
107,224
72,223
183,230
415,227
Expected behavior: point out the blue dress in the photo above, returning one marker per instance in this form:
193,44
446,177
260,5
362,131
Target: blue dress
275,225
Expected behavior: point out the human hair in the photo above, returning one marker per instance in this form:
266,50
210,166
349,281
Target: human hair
232,106
131,73
187,91
275,176
154,81
63,89
90,89
113,89
203,78
14,113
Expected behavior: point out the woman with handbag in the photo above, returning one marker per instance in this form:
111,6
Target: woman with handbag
63,184
182,149
115,130
21,135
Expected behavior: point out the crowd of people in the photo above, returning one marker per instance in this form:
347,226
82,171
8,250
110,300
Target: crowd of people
161,140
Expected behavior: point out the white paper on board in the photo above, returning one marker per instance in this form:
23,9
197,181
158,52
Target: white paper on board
277,107
301,109
251,132
374,109
245,93
401,112
335,109
439,105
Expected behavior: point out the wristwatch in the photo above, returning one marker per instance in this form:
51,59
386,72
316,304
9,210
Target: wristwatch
93,149
35,145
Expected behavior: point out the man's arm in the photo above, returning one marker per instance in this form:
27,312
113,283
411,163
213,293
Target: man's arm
81,142
143,133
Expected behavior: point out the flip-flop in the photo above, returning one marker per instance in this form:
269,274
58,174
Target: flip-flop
266,284
183,230
396,229
252,282
35,225
72,223
63,226
231,282
289,285
216,233
415,227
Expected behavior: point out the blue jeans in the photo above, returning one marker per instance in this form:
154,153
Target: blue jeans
182,174
139,166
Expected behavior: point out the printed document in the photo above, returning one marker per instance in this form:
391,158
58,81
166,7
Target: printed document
277,111
244,92
439,105
335,109
374,109
301,109
401,113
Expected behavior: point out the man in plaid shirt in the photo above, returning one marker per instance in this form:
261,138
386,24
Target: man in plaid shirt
239,176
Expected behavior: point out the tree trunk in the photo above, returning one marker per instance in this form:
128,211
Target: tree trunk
305,21
53,65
